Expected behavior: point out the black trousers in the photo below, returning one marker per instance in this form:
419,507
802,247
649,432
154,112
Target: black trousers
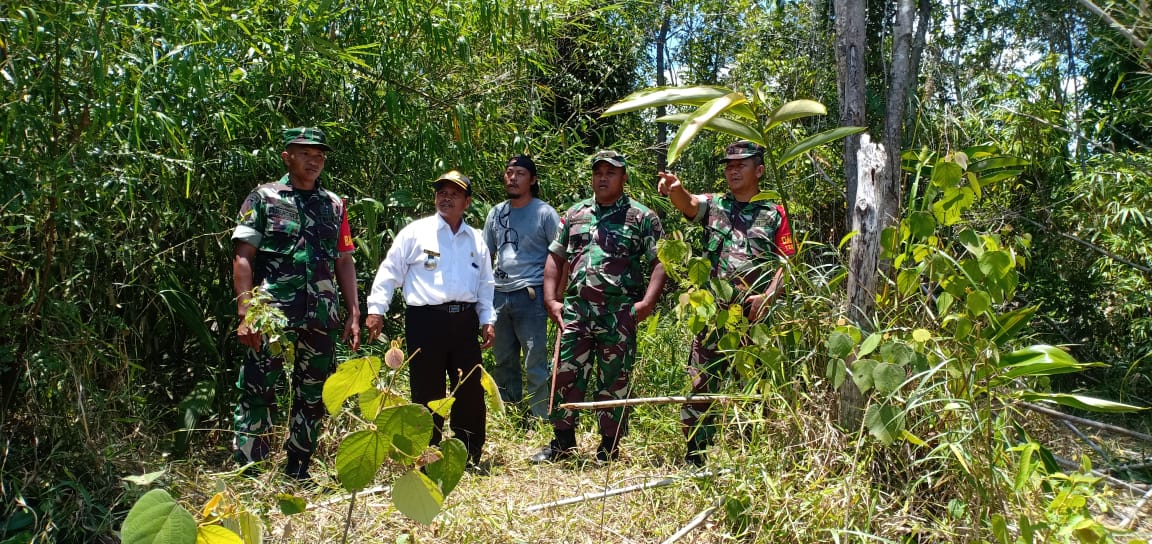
446,358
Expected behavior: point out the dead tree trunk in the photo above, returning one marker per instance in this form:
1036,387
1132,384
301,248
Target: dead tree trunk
851,85
863,262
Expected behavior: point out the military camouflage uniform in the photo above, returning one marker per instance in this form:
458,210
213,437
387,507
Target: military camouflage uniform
744,242
298,235
610,250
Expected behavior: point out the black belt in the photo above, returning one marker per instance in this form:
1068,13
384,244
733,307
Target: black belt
451,307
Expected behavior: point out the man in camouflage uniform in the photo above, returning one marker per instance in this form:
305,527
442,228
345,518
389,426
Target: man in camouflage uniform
745,241
608,243
292,243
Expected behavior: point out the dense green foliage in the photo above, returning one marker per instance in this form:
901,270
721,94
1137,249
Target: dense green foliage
132,132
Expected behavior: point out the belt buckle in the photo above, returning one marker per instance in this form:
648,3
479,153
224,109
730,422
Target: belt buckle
455,308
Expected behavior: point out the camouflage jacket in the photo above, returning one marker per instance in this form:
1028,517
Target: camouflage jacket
743,240
298,236
610,250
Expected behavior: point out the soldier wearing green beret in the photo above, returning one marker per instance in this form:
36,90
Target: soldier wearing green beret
608,244
292,243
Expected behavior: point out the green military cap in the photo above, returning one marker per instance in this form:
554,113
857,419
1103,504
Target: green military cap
609,156
305,136
454,177
742,150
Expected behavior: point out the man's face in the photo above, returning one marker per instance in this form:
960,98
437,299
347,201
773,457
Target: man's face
304,162
608,182
518,181
451,201
743,175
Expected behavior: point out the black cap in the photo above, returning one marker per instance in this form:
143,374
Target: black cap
523,161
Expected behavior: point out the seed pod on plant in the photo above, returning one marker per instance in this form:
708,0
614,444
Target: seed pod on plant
394,357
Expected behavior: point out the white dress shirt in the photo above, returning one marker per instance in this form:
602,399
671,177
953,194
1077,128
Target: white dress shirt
433,266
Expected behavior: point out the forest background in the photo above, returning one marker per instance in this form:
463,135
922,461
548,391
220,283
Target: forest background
132,133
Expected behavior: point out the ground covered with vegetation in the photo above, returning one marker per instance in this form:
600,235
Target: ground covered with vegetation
1013,267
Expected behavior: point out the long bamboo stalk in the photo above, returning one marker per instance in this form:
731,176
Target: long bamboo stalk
696,521
619,491
1088,422
649,401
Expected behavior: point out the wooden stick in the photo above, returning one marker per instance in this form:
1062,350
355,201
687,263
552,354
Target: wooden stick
1088,422
619,491
1068,463
349,496
696,521
650,401
1129,523
1087,440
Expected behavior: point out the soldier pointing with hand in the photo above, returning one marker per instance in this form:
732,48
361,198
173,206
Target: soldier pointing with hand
745,241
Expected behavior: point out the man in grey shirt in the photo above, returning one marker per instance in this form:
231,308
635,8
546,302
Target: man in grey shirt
518,232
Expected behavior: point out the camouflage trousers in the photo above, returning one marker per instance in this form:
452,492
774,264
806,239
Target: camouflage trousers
256,409
595,342
707,368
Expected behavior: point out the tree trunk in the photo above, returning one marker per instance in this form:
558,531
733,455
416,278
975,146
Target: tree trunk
902,78
662,80
851,86
863,260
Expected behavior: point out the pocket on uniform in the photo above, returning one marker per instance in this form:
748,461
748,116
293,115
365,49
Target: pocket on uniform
282,237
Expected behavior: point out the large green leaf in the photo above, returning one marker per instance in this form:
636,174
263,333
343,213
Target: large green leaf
817,140
409,429
696,121
796,109
1009,325
861,370
158,519
417,497
839,344
352,377
719,124
888,378
1082,402
666,96
359,457
1039,360
885,422
450,467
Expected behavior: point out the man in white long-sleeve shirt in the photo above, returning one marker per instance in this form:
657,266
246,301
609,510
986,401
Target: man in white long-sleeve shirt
444,269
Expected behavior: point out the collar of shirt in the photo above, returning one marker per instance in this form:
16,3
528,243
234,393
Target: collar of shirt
621,202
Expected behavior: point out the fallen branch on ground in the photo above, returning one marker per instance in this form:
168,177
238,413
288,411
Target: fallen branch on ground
651,401
341,498
1068,463
620,490
1088,422
1130,523
696,521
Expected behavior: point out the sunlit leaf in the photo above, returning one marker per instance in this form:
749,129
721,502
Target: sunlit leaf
665,96
215,534
350,378
817,140
495,403
1082,402
696,121
158,519
417,497
796,109
718,124
409,430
